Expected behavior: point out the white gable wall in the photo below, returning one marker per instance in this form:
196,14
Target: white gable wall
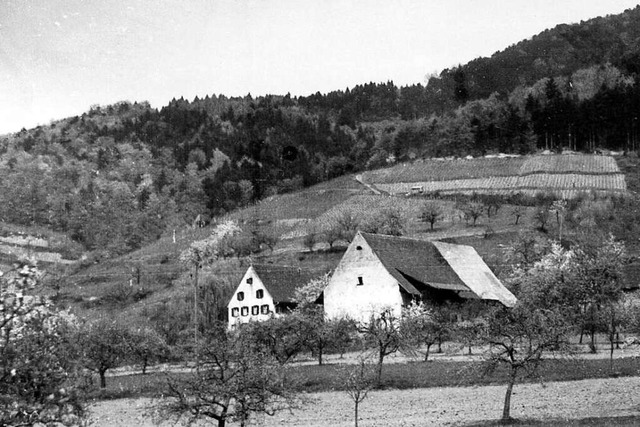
243,311
345,297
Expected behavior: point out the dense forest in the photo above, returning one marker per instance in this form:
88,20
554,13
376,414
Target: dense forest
119,176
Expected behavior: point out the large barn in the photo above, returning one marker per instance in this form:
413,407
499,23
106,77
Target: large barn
380,272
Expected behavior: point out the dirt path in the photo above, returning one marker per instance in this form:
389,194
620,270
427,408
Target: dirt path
615,397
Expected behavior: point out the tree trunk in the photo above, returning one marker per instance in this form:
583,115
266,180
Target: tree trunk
506,411
144,366
103,380
356,414
320,355
611,354
380,360
581,334
426,355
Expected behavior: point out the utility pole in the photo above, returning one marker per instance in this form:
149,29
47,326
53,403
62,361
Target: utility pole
195,307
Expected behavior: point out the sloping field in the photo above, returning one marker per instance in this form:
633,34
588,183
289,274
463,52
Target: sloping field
443,170
567,175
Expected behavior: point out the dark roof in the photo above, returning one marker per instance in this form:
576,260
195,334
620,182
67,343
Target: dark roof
281,281
420,260
419,263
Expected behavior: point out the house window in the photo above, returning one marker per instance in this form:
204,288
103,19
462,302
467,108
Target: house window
250,280
240,296
265,309
245,311
359,248
255,310
235,312
360,281
260,293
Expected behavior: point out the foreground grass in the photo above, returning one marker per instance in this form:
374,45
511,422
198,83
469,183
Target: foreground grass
411,375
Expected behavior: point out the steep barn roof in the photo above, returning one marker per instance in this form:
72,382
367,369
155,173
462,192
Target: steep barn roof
282,281
415,263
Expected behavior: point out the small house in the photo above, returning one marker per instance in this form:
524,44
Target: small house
380,272
265,291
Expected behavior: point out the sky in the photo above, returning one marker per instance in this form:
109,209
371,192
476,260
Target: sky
60,57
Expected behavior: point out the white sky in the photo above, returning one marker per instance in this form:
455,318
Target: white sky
59,57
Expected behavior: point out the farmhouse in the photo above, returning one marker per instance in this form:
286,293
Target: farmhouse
380,272
265,291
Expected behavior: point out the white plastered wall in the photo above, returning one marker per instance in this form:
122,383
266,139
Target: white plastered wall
250,300
345,297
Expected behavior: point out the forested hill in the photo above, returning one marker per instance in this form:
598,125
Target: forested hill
118,176
557,52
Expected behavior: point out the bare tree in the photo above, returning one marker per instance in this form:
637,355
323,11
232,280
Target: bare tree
347,223
517,212
424,325
473,211
383,332
332,235
359,380
431,213
232,380
518,338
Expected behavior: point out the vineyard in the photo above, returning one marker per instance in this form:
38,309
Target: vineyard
566,175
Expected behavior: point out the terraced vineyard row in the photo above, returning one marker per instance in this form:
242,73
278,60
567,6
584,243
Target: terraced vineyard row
573,182
570,163
460,169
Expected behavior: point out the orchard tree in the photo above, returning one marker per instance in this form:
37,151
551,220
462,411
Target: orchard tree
147,346
527,249
103,344
358,380
233,379
431,213
518,338
384,334
281,337
422,326
40,384
347,224
473,211
387,221
332,234
517,212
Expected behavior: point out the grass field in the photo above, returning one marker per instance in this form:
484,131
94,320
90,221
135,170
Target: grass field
395,376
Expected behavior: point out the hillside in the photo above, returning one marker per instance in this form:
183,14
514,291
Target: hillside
557,52
138,284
